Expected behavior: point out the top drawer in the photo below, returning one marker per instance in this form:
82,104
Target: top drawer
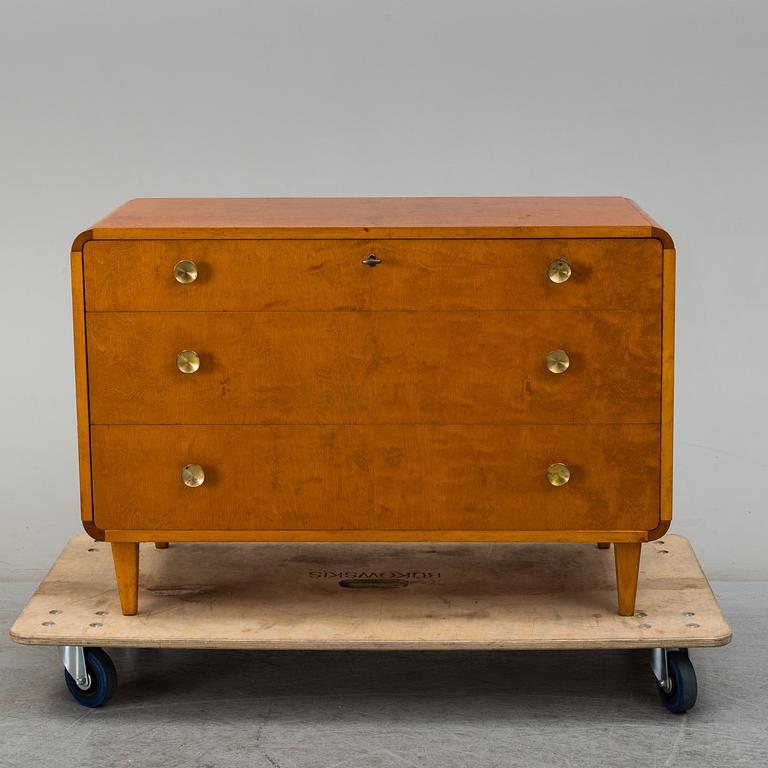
274,275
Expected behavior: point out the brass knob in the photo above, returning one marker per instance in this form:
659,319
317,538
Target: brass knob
185,272
559,271
187,361
558,361
558,474
192,475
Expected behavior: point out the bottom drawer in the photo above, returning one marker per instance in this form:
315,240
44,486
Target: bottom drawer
391,477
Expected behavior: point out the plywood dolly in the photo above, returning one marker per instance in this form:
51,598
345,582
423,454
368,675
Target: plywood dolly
415,596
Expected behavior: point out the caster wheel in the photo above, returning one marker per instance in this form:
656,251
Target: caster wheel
682,695
103,676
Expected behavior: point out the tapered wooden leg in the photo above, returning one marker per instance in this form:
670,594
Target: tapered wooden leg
125,555
161,545
603,544
627,568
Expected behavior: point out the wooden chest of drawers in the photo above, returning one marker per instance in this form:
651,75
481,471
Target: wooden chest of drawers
375,369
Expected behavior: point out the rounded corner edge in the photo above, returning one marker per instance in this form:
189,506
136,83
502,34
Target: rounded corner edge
93,531
81,240
726,638
659,530
16,637
666,239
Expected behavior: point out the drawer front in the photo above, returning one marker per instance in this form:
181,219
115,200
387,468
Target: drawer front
257,275
232,275
255,478
396,477
494,477
254,367
514,274
415,367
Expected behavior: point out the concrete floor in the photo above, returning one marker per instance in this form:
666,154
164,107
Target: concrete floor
200,709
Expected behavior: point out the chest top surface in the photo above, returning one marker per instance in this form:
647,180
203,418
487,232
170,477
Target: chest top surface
379,217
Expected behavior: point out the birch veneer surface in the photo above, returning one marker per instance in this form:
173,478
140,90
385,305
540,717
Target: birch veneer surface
375,369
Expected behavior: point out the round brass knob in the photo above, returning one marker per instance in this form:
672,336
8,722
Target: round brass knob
558,474
559,271
558,361
187,361
185,272
192,475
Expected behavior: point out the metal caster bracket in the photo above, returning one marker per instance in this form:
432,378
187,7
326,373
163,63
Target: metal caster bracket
73,659
660,667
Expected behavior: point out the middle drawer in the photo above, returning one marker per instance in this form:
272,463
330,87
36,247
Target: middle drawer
393,367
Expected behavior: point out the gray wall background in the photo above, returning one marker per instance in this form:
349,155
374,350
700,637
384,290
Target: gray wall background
663,102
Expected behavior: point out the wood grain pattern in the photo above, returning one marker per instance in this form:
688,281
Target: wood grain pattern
462,477
490,367
81,386
125,557
459,597
352,535
374,367
627,561
512,274
240,275
377,477
233,275
667,389
300,367
255,477
389,217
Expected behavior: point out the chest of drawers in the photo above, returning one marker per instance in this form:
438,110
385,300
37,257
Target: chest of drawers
374,369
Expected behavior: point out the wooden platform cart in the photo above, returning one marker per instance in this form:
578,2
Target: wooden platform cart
412,596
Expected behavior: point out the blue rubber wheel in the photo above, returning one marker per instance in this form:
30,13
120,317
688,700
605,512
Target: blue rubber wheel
684,690
103,676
